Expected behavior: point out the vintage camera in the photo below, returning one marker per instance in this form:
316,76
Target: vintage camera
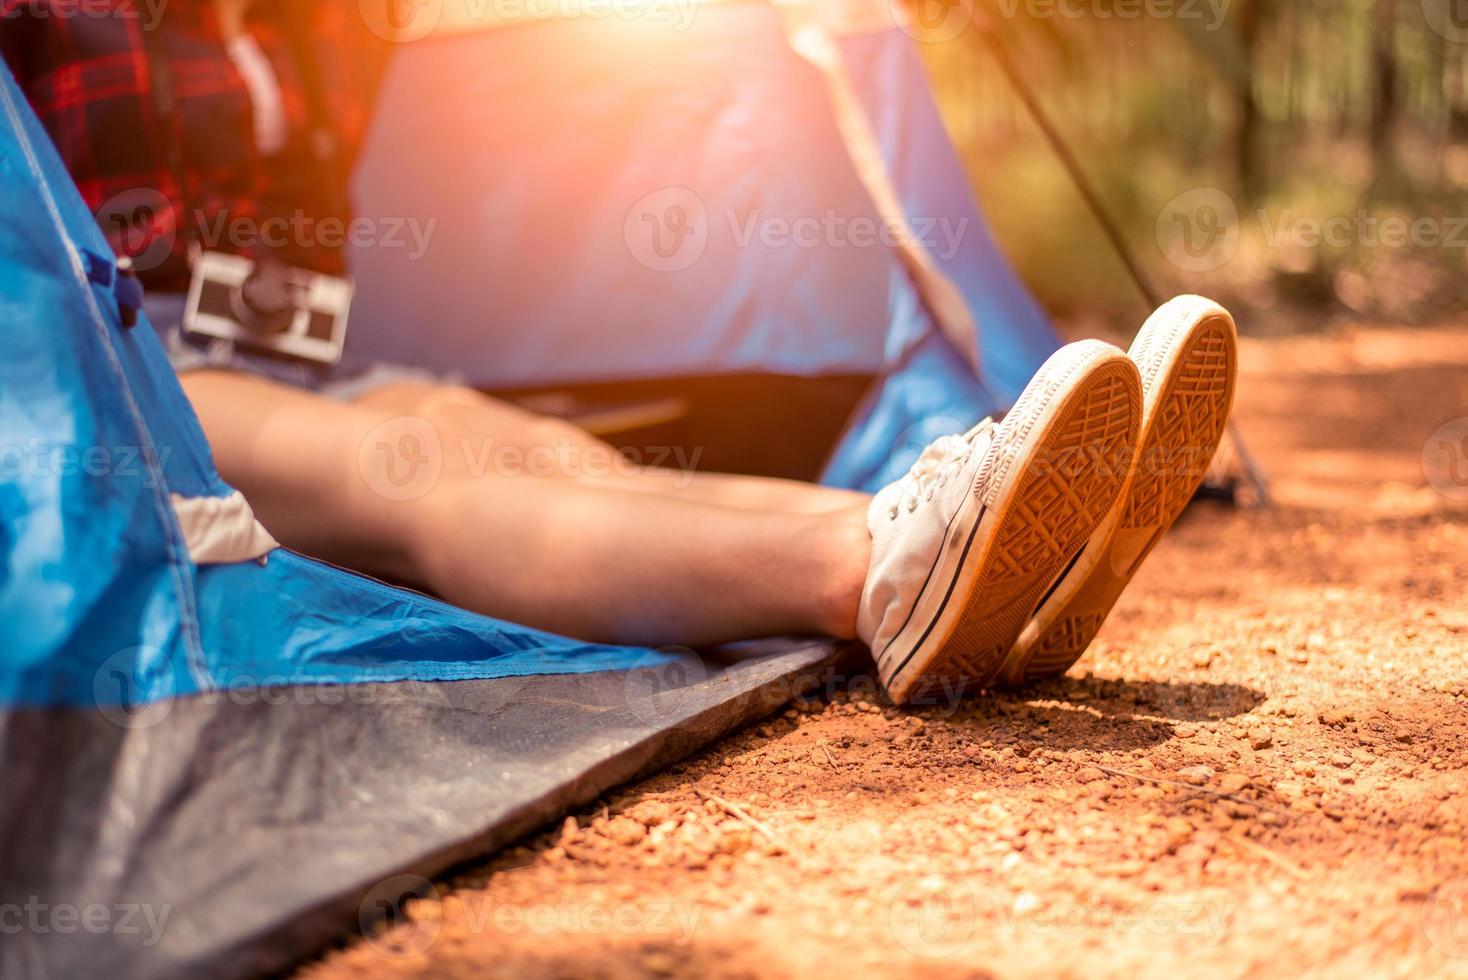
268,306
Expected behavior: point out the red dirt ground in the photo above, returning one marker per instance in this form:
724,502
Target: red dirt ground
1260,767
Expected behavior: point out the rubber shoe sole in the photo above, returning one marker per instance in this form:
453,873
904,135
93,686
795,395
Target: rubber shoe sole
1187,353
1053,473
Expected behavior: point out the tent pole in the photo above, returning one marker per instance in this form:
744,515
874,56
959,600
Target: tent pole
1103,218
1072,167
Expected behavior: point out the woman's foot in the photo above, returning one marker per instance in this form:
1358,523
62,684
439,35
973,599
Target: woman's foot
1186,356
964,546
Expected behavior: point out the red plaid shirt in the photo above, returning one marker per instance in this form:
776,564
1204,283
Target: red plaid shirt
84,67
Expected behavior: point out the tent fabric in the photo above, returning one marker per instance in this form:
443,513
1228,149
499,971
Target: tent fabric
337,731
1014,334
631,213
217,769
927,388
550,259
98,439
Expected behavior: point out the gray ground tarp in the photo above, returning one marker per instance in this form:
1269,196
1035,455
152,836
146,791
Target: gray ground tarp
233,834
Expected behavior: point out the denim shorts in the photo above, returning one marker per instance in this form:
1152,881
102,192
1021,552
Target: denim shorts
338,382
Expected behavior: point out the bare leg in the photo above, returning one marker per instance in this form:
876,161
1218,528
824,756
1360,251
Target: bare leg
750,492
579,556
569,451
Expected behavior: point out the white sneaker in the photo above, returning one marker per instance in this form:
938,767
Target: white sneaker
1186,354
965,544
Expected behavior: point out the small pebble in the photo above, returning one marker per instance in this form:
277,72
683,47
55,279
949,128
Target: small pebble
1232,782
1195,775
625,830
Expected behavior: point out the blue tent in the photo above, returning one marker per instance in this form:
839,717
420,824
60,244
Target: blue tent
215,747
689,190
227,750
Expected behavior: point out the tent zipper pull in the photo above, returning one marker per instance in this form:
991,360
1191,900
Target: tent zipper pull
129,292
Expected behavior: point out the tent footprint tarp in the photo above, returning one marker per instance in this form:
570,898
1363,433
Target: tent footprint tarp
206,767
232,834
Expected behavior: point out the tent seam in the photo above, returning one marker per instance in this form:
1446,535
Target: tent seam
162,505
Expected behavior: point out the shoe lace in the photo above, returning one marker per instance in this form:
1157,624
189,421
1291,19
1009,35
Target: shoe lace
939,462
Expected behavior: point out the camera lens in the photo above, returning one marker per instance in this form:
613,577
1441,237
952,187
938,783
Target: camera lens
266,300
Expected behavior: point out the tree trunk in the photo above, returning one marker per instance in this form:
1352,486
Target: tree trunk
1456,83
1247,129
1383,85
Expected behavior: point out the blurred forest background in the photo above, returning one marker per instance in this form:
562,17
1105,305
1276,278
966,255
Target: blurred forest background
1305,161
